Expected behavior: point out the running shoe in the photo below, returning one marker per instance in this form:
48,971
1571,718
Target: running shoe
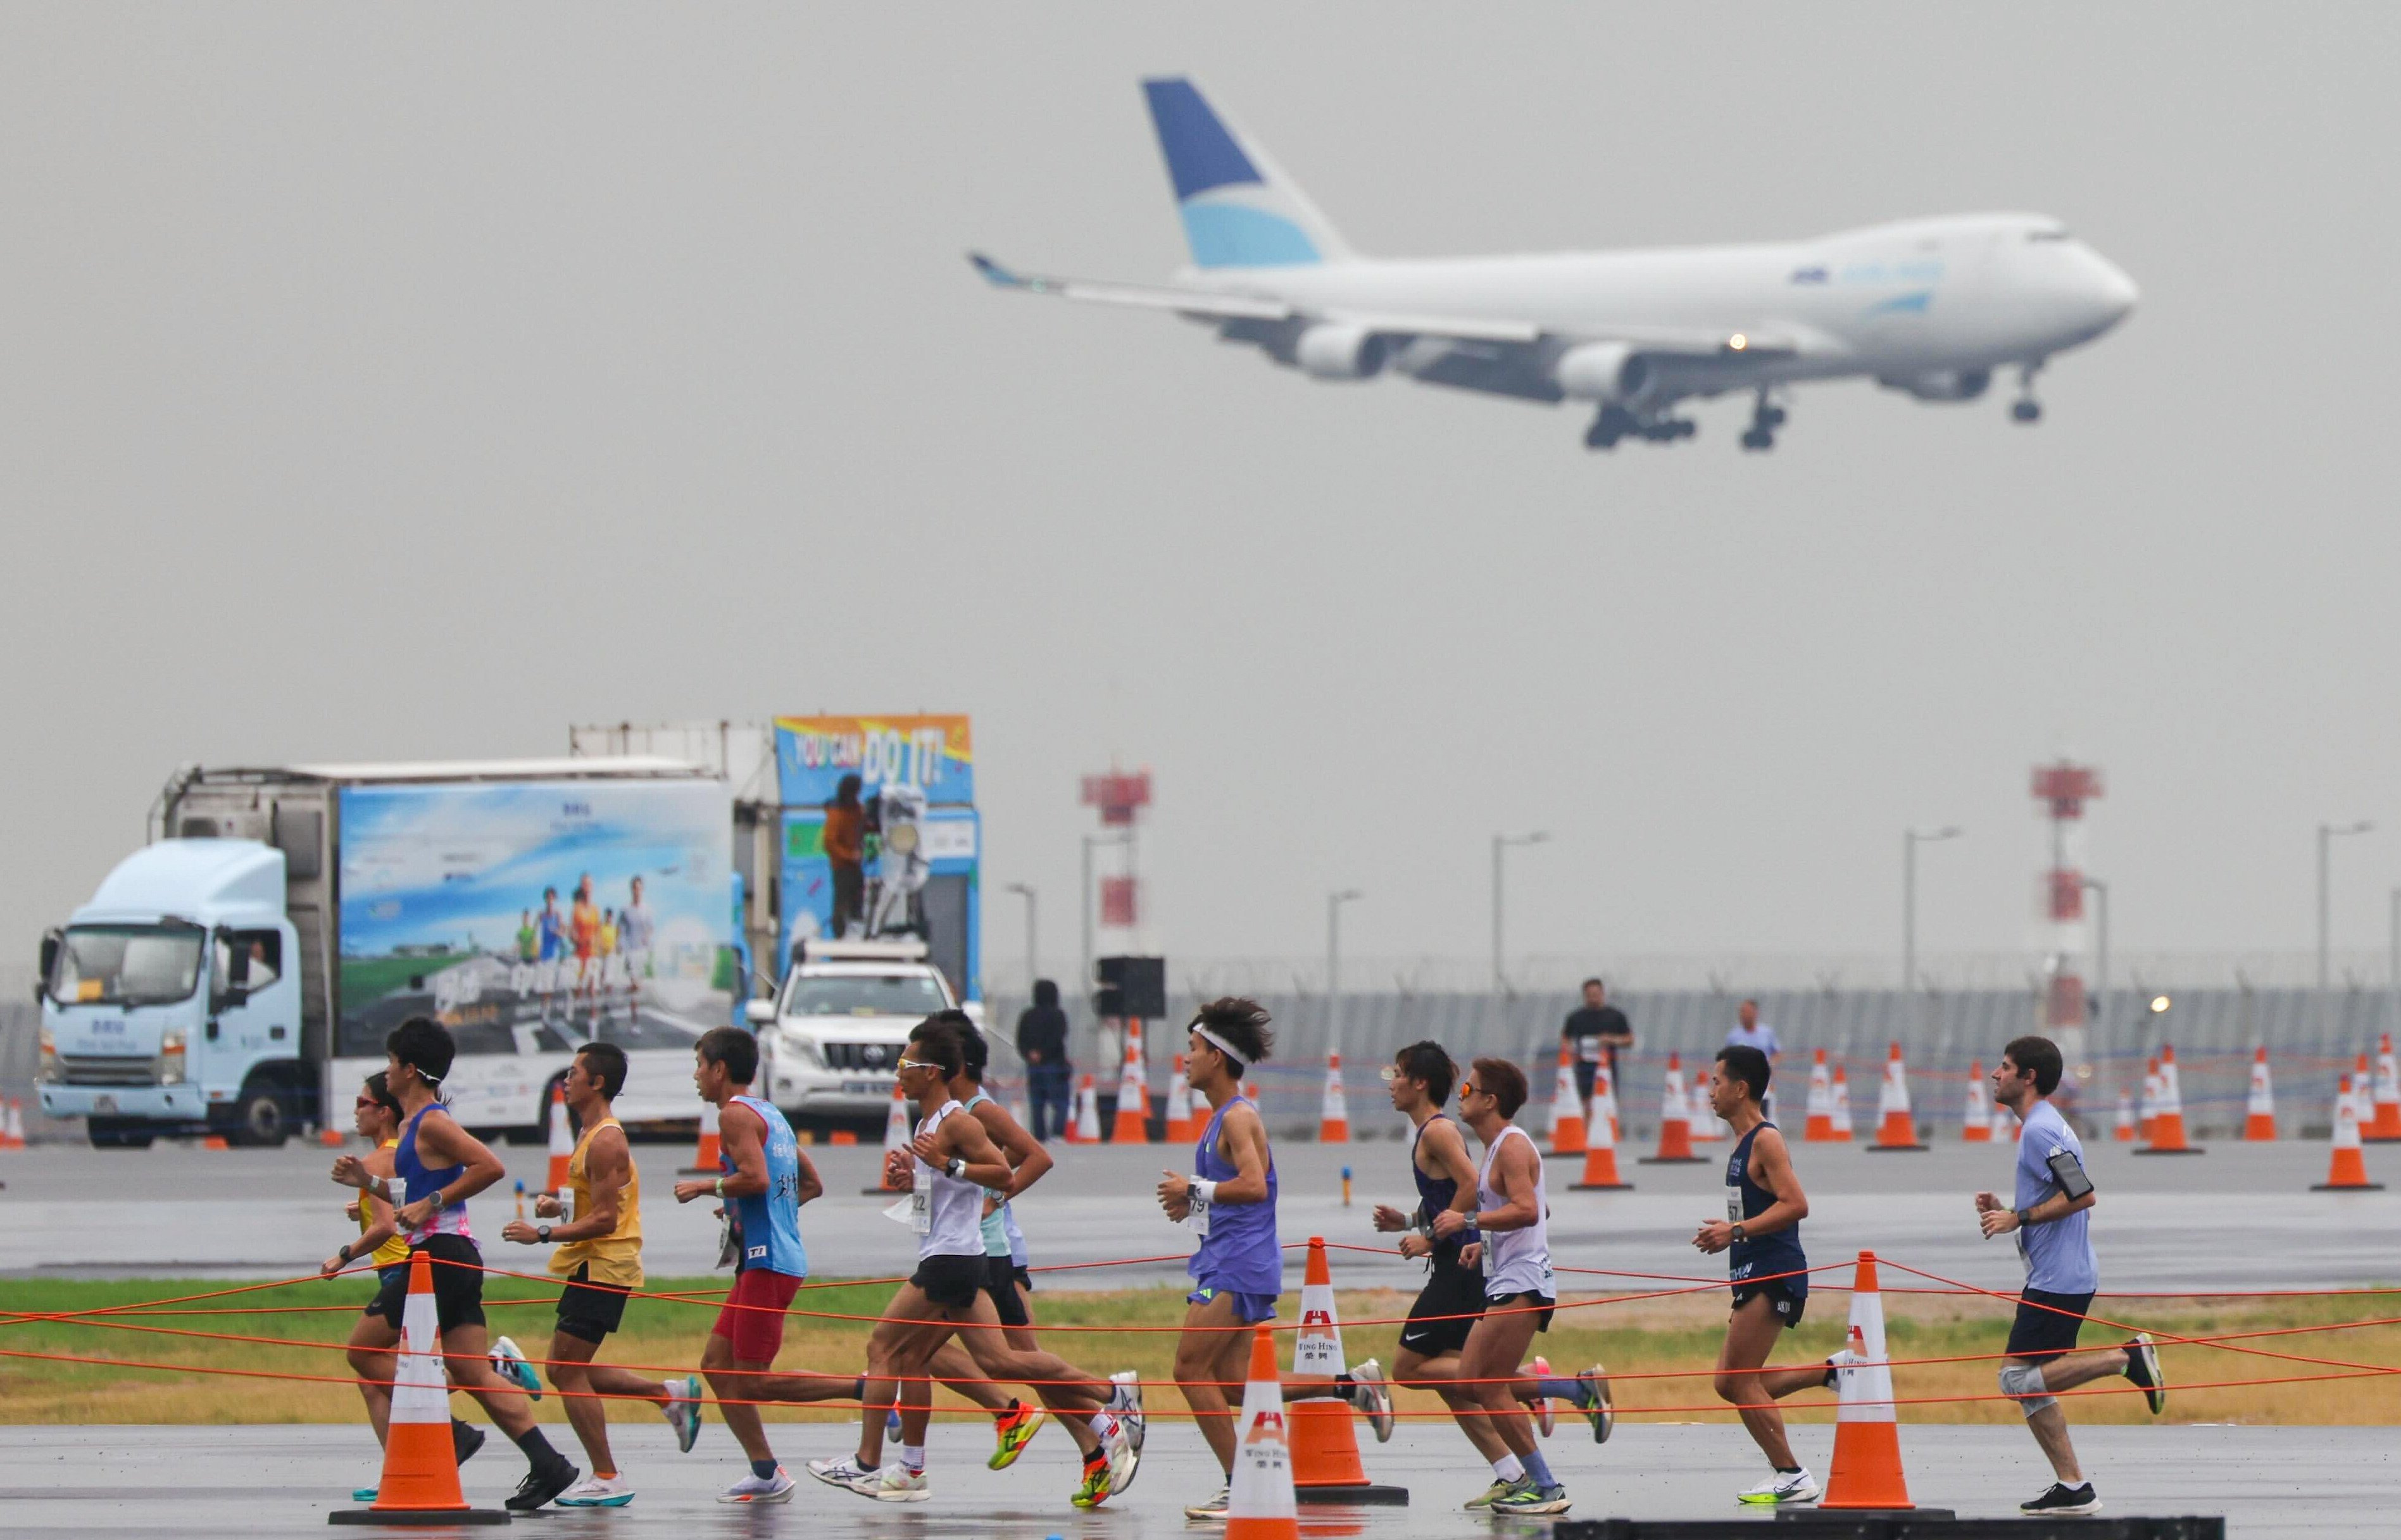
1547,1417
1215,1508
1486,1498
1011,1431
542,1484
2143,1367
1125,1399
892,1423
844,1472
1372,1395
752,1489
465,1439
1116,1447
899,1484
1093,1490
1527,1498
364,1494
2063,1498
599,1492
1781,1490
1597,1410
510,1365
1842,1359
683,1412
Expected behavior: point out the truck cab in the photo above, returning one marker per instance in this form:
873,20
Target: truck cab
171,1002
829,1042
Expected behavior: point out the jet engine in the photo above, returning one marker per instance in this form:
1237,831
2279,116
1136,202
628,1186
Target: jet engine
1611,372
1942,384
1329,350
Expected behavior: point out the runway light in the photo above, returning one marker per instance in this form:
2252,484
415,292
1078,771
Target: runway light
1737,342
2158,1004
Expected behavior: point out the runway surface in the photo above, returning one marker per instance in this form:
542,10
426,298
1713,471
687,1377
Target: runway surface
2272,1483
2238,1218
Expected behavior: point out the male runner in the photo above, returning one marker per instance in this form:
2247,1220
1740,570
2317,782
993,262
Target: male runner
1419,1078
950,1166
767,1177
1512,1213
2054,1239
1760,1236
600,1255
436,1167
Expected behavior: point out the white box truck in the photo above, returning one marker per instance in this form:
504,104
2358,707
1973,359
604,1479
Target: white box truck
237,974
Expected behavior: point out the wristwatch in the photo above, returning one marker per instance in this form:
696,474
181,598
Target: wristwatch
542,1232
956,1166
2025,1219
1740,1238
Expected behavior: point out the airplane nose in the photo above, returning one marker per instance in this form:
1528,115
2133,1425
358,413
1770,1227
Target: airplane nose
2113,291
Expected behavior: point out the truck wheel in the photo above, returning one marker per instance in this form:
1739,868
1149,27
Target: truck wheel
261,1120
107,1135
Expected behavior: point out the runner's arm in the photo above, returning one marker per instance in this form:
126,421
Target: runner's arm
1243,1140
1513,1173
1773,1161
1029,1162
965,1139
608,1168
812,1185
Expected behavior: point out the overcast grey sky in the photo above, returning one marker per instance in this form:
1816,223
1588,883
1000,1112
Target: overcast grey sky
400,382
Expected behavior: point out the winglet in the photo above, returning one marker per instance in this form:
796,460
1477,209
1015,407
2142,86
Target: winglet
994,273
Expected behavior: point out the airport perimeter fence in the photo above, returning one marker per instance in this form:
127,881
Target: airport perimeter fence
2312,1038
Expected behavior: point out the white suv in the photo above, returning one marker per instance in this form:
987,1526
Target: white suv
829,1042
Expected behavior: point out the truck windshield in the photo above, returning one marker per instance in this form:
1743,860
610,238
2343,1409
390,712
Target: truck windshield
869,995
126,965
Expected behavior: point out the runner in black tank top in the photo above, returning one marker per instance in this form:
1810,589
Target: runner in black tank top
1762,1235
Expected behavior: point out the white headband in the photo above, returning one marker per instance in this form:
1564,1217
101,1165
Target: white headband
1220,1044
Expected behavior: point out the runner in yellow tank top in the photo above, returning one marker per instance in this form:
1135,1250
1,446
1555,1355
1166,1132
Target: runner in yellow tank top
600,1254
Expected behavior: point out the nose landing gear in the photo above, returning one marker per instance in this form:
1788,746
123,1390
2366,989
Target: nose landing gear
2025,408
1766,418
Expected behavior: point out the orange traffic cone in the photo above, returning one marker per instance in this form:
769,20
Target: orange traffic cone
420,1470
1703,1121
703,1155
2167,1123
2363,1096
1325,1466
1180,1126
1601,1146
330,1139
1334,1114
2259,1116
2150,1104
2126,1118
1895,1128
1866,1472
1675,1126
897,1135
1977,1127
1567,1111
562,1141
1133,1093
216,1141
1820,1126
1087,1130
1604,1096
2349,1171
1842,1105
1261,1505
1197,1119
2387,1125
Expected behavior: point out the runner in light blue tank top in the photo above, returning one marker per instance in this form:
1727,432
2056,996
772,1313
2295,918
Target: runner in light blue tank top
770,1222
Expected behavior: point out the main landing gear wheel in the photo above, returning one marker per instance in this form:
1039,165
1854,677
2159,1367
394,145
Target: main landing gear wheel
1613,424
1764,420
2026,408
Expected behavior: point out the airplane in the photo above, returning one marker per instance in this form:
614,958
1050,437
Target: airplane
1932,308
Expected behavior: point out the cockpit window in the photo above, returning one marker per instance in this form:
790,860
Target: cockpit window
2047,235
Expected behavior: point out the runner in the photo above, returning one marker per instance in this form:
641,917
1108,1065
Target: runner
377,1116
1231,1199
600,1255
436,1167
2055,1240
950,1167
1760,1236
1512,1213
767,1177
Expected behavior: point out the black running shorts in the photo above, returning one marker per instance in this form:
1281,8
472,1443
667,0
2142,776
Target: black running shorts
2040,1332
458,1271
951,1282
1783,1299
1446,1310
588,1311
1001,1278
1520,1302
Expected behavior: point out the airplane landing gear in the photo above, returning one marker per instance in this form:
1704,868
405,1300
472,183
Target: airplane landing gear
1764,420
1616,422
2025,408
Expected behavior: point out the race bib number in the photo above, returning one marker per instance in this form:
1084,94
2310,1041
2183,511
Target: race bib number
1734,1205
1588,1048
921,1212
1198,1218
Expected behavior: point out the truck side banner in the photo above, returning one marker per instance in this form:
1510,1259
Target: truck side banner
532,916
934,754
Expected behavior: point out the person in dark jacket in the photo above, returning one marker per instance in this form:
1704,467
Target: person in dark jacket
1042,1042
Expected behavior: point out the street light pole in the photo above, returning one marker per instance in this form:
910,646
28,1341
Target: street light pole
1501,843
1334,903
1910,839
2393,961
1032,938
2327,834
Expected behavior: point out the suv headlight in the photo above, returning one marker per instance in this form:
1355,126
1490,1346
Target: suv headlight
171,1056
50,1065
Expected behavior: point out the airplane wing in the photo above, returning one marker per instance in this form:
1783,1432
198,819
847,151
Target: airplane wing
1223,307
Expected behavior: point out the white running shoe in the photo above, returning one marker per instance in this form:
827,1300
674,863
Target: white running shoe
597,1491
1215,1508
899,1484
1781,1490
844,1472
1599,1410
683,1412
508,1362
1547,1417
1372,1395
1125,1399
1125,1460
751,1488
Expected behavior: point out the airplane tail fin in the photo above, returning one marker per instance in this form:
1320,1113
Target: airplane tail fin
1238,209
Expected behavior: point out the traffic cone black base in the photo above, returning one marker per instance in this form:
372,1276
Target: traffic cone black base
421,1520
1372,1495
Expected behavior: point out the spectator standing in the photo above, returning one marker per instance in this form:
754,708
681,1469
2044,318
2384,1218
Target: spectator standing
1749,1031
844,847
1597,1031
1042,1043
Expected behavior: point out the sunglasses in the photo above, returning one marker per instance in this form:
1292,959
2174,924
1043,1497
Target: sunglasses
366,1102
912,1064
1466,1091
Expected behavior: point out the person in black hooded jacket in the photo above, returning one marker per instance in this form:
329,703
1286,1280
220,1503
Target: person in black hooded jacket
1042,1042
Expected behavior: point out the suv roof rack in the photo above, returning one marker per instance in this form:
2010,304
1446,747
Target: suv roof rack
831,950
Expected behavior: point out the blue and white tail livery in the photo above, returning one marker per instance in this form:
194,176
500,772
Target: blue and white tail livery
1239,210
1932,308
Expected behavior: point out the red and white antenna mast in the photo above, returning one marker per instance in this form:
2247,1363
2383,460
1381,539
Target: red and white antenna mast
2062,789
